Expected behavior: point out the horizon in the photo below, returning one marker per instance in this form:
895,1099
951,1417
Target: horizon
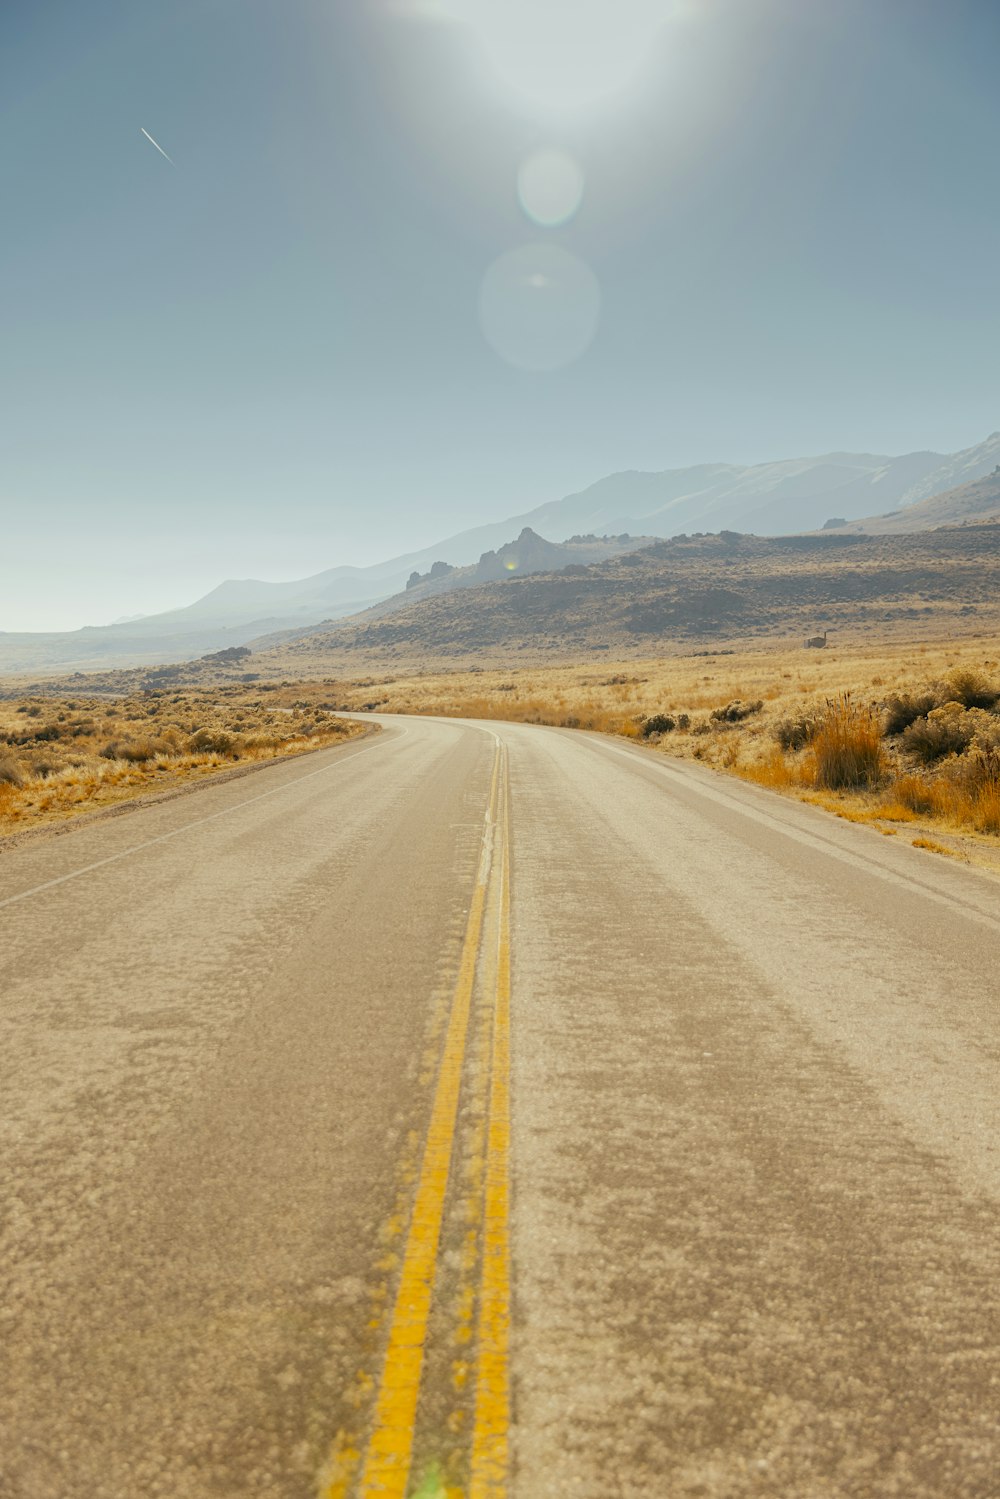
382,557
298,325
405,556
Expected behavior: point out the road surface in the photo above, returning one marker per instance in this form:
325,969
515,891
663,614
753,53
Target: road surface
495,1110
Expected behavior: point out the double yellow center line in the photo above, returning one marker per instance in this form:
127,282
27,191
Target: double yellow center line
389,1456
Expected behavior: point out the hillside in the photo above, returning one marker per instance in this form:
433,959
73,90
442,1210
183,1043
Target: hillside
529,553
677,593
978,501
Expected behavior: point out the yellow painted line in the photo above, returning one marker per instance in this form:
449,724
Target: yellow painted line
390,1450
490,1434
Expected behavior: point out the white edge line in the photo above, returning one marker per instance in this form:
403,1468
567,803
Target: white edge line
864,861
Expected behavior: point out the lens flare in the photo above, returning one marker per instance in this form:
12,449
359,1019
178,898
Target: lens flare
550,187
539,306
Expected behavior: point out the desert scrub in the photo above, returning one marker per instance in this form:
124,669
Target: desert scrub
67,756
950,730
795,733
971,688
736,711
657,723
848,747
944,731
11,772
214,742
903,710
137,751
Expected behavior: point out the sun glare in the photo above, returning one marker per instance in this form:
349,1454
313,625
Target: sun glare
563,54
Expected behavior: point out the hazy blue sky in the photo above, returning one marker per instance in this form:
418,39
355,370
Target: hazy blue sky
269,356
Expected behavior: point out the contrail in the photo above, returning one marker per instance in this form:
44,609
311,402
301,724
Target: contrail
158,147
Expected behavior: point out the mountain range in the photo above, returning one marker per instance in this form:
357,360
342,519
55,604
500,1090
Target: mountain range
711,590
770,499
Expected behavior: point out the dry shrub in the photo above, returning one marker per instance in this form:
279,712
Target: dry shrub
11,772
97,752
986,731
905,709
211,742
736,711
132,751
945,731
848,747
658,723
138,751
795,733
971,688
43,766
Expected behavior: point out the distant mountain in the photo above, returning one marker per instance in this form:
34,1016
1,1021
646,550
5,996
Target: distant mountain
792,495
960,468
975,502
767,499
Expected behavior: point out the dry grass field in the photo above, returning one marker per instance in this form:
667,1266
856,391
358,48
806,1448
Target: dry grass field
906,738
66,753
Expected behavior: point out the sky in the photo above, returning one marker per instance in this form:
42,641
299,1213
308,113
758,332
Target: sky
414,265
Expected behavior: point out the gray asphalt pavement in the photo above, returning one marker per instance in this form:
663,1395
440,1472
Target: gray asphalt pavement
753,1168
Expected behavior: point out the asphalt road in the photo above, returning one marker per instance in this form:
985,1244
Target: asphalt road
495,1110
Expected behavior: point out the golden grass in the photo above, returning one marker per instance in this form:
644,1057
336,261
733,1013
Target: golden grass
986,809
847,746
62,755
934,847
775,771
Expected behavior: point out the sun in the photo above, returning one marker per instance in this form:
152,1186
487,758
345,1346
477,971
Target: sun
563,55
